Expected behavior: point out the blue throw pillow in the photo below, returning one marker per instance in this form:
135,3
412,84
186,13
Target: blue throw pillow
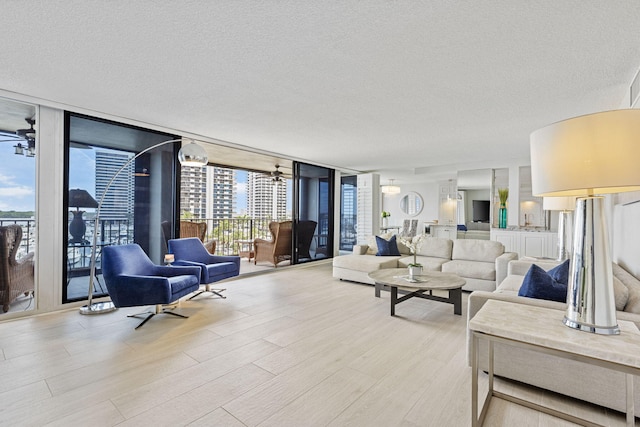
560,273
551,285
387,247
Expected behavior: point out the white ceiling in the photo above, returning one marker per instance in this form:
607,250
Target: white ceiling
401,87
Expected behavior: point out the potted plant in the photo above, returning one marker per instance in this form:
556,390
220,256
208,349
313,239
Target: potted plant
415,268
385,218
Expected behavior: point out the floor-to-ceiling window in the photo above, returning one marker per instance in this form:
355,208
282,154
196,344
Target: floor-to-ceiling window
348,212
313,206
137,200
18,156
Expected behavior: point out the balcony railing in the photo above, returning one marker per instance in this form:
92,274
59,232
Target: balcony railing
226,231
28,243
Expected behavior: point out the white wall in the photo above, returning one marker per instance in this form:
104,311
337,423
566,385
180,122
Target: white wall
625,231
429,194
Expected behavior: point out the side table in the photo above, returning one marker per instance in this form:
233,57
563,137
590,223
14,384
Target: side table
541,329
245,249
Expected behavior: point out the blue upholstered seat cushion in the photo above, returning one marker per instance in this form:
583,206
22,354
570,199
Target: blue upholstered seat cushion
549,285
387,247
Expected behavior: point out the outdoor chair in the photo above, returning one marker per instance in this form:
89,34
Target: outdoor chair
16,275
213,268
133,280
199,230
277,249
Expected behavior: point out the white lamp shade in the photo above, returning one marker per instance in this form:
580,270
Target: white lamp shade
193,155
559,203
593,154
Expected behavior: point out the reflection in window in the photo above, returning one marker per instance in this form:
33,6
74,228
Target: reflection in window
139,197
90,170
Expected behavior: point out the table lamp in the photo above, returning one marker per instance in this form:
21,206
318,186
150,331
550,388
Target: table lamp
565,207
79,198
588,156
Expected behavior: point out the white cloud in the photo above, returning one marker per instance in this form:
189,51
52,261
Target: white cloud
6,179
241,188
17,191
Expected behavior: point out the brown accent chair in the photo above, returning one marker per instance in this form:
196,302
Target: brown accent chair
199,230
278,248
16,276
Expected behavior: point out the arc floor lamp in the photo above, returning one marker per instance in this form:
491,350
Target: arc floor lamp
190,155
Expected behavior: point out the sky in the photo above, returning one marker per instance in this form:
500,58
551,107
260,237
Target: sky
17,180
241,191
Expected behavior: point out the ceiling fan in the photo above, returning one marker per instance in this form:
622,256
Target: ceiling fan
28,147
276,175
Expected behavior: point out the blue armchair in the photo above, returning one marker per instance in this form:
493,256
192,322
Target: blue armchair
133,280
191,251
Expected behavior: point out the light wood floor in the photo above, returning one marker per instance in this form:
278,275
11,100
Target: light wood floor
288,348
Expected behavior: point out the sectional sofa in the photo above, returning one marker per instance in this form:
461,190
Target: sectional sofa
576,379
481,263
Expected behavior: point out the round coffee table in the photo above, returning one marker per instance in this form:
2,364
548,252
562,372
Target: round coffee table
393,279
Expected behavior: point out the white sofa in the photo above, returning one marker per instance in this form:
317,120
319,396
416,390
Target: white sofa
576,379
481,263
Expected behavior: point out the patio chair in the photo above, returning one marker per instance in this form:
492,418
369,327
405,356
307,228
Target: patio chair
16,275
213,268
277,249
199,230
133,280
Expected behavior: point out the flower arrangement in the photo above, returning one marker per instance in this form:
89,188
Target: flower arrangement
386,214
414,246
503,195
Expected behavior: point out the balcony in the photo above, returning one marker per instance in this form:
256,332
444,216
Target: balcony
231,235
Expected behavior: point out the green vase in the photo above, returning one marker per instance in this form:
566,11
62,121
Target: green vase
502,216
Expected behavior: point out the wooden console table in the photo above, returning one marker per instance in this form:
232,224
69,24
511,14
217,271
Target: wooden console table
541,329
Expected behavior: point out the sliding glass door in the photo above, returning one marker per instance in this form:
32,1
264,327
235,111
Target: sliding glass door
139,198
313,212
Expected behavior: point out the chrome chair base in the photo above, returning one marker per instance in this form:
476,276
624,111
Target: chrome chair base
209,289
159,309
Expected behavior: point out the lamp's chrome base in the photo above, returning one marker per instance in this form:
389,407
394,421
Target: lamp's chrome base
602,330
98,308
590,299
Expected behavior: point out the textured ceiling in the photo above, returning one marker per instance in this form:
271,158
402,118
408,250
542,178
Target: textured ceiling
402,87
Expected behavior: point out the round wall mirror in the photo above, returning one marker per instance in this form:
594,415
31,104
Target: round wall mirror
411,203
